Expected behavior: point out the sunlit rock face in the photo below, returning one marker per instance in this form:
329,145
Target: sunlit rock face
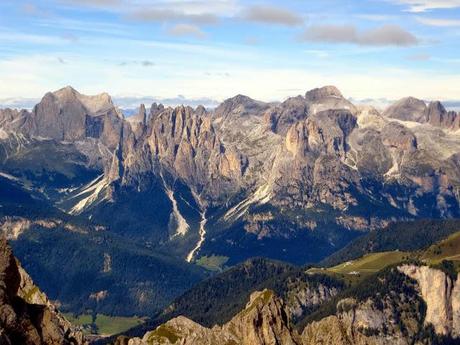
407,109
69,116
308,156
438,116
408,301
441,294
372,321
263,321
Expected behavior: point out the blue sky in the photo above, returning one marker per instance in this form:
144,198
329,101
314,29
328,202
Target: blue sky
198,49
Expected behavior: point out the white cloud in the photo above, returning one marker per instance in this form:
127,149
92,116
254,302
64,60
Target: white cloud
386,35
187,30
166,14
418,6
163,8
419,57
377,17
16,37
442,22
32,76
320,54
272,15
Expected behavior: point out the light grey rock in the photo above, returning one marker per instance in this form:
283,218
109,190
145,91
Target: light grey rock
407,109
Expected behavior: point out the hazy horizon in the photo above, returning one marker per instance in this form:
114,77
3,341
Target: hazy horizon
131,103
162,49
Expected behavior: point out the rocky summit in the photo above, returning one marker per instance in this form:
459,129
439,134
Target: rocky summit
263,321
408,302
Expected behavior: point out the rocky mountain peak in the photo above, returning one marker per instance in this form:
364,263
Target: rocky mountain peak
436,106
436,113
240,99
323,92
327,98
407,109
438,116
67,115
66,92
93,104
143,114
263,321
200,110
279,118
156,109
241,105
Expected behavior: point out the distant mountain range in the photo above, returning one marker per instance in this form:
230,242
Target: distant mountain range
195,190
126,103
130,104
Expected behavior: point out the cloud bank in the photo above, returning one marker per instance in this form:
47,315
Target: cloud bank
386,35
272,15
418,6
187,30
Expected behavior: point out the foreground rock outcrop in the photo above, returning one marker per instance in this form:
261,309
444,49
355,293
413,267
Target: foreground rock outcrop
27,317
401,305
263,321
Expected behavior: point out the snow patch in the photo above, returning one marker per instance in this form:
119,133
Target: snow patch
182,225
95,187
394,170
261,196
9,177
3,134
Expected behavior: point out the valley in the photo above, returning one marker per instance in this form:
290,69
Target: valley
367,287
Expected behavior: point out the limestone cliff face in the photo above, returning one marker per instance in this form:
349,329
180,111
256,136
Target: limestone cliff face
328,98
139,121
322,133
264,321
309,152
302,297
66,115
12,120
406,301
314,169
438,116
26,315
396,317
361,323
280,118
183,141
442,296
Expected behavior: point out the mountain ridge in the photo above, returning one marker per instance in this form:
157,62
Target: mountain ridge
292,181
246,154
